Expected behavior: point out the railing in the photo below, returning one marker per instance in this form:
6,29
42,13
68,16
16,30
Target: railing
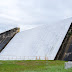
5,57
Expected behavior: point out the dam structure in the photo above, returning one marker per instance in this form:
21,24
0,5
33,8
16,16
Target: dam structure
46,42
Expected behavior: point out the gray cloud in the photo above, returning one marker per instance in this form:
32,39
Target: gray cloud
35,11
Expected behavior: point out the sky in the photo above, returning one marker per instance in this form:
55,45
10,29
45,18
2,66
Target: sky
34,12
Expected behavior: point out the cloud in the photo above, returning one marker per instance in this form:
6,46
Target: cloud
35,11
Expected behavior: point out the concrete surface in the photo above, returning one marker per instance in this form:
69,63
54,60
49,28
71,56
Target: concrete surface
68,65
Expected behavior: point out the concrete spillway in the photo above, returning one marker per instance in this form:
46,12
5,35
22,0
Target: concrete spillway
46,42
42,42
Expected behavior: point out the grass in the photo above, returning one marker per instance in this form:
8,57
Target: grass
33,66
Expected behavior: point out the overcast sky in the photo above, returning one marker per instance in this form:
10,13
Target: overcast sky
34,11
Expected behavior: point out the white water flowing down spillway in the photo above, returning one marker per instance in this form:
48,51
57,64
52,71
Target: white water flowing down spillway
42,42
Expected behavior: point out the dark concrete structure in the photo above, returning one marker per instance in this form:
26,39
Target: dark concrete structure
65,51
5,37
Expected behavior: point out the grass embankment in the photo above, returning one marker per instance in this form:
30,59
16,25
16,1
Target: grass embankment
33,66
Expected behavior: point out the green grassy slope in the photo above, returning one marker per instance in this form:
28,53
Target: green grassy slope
33,66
